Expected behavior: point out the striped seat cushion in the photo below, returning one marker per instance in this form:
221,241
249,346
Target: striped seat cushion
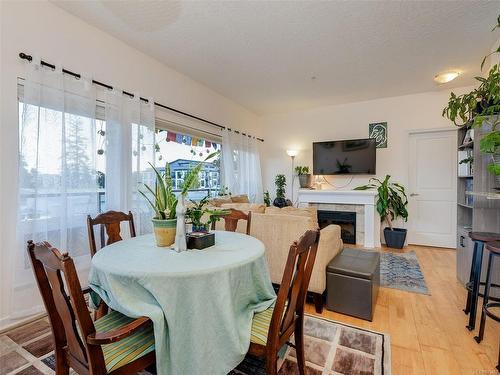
260,326
122,352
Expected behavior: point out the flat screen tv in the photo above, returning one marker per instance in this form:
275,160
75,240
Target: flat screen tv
353,156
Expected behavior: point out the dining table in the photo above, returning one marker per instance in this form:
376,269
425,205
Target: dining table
201,302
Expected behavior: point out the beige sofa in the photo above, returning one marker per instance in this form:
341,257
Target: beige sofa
278,228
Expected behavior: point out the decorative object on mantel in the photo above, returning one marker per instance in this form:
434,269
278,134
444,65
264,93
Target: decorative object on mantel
480,108
378,131
164,201
280,182
391,204
305,178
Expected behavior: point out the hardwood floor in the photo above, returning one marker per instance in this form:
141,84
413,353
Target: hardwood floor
428,334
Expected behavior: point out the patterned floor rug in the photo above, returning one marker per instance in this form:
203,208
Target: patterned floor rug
332,348
402,271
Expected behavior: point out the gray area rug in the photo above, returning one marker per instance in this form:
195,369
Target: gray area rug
331,348
402,271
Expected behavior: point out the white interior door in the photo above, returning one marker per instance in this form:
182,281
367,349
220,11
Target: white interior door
433,188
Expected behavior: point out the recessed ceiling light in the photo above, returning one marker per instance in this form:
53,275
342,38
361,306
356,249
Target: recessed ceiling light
446,77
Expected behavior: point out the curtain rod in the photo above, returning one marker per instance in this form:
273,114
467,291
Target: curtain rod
29,58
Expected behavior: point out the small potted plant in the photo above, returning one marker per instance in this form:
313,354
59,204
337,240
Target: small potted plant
280,182
391,204
305,178
267,198
163,200
196,213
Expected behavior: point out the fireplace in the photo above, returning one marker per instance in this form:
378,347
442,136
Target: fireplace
346,221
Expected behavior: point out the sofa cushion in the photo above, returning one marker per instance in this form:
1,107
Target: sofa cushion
355,263
217,202
243,198
294,211
245,207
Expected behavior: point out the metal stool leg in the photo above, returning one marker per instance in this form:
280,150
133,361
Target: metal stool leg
479,337
498,365
475,286
471,278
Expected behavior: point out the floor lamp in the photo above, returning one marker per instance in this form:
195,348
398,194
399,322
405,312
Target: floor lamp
292,154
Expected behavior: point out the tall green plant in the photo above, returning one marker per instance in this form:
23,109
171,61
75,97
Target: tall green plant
280,182
392,200
163,199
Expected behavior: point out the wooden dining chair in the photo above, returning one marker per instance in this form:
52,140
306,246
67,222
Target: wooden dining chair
232,218
272,328
109,226
114,344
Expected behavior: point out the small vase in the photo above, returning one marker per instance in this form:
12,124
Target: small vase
164,231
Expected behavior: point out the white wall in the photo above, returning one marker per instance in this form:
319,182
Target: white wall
297,130
40,28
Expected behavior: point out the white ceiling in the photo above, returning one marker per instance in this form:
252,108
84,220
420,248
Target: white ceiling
262,54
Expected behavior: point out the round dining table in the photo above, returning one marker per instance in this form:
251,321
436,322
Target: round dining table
201,302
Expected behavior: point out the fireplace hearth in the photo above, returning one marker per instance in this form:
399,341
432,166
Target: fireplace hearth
346,221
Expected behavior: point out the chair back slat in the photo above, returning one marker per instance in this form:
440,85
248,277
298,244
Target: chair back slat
109,226
293,288
232,218
63,299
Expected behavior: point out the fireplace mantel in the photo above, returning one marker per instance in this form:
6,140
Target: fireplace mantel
365,198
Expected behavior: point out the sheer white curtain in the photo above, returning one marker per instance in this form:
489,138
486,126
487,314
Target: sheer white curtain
57,173
241,171
130,147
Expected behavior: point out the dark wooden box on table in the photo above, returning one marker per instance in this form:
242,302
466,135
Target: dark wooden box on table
200,240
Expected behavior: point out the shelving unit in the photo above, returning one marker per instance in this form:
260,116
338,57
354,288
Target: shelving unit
478,206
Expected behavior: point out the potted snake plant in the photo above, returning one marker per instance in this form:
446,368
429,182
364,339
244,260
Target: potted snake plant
163,200
391,204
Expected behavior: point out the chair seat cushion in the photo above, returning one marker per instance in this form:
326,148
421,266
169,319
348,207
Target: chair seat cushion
260,326
129,349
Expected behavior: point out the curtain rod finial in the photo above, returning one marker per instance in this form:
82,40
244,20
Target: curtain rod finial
24,56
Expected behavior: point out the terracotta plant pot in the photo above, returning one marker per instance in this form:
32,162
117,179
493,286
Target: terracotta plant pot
164,231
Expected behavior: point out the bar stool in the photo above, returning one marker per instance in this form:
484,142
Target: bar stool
494,249
479,238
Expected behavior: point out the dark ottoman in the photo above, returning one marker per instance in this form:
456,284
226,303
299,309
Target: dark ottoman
352,282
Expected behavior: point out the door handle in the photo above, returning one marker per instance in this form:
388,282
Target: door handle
414,194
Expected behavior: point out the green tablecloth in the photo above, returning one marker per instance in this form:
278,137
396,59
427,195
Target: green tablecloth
200,301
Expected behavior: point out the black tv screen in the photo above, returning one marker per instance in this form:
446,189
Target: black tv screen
353,156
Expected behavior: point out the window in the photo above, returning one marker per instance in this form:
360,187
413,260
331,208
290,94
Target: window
183,152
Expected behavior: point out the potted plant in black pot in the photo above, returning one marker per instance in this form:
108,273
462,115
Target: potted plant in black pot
305,178
391,204
280,182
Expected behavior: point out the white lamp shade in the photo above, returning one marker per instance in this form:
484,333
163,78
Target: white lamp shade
292,153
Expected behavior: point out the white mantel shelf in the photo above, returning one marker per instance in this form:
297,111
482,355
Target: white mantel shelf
366,198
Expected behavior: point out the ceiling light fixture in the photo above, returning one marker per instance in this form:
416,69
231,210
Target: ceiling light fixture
446,77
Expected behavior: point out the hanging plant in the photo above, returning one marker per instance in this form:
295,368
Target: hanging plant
480,108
